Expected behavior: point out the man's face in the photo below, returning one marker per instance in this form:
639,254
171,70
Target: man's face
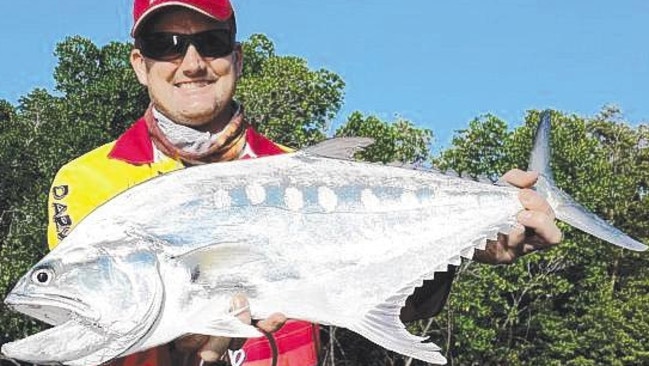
192,90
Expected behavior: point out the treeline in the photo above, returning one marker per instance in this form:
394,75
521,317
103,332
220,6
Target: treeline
582,303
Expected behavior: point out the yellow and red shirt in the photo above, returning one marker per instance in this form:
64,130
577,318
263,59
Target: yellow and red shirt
95,177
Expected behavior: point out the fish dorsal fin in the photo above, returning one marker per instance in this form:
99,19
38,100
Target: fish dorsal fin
400,164
340,147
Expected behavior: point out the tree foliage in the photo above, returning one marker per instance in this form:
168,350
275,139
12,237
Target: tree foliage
400,141
478,150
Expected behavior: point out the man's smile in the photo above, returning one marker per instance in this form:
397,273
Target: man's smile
194,84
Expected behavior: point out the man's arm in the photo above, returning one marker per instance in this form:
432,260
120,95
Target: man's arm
429,299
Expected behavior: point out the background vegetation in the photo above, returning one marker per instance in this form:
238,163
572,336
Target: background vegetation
582,303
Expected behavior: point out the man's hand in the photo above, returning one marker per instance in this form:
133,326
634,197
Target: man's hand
212,349
536,230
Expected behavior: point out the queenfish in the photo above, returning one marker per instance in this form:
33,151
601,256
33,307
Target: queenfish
311,234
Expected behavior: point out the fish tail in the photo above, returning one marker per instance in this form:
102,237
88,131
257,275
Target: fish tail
564,206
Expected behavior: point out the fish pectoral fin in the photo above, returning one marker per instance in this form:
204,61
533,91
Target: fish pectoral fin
208,264
228,326
339,148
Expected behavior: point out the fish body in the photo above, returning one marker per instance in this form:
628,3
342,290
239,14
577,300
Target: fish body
317,238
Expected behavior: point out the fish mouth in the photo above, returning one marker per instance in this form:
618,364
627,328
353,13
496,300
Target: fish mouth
71,319
52,309
67,343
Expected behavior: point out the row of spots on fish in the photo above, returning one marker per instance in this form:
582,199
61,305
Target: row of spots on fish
322,198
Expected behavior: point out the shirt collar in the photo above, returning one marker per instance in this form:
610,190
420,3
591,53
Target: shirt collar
134,146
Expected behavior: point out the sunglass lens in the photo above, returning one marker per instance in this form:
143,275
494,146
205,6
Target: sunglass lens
162,46
214,43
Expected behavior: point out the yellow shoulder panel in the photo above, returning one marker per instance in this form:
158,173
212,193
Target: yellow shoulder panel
87,182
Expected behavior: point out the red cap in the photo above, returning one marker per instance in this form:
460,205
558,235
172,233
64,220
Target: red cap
218,9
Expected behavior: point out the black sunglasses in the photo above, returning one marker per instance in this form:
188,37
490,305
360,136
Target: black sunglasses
164,46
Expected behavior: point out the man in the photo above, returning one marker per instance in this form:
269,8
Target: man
186,55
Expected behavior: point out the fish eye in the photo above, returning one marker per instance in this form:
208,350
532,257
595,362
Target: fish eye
43,276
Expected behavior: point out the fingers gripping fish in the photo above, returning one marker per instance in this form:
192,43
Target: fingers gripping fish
309,234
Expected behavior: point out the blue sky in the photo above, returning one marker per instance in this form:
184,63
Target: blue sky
437,63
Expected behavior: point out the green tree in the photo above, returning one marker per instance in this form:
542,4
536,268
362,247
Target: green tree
7,113
400,141
24,188
101,94
479,150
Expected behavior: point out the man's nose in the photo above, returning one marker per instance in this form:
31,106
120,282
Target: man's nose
192,62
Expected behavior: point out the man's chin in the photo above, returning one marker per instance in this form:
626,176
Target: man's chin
200,122
201,119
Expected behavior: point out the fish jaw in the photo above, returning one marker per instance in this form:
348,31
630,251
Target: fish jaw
77,338
70,317
53,310
71,343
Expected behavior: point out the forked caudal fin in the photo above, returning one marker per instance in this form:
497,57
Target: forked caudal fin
565,208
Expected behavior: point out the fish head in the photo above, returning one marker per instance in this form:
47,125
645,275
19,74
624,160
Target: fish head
100,303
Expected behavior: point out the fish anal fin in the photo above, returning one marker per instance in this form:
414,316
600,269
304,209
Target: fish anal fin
383,326
381,323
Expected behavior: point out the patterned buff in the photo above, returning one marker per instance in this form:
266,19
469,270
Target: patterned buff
193,147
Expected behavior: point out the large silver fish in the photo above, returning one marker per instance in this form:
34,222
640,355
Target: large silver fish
317,238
